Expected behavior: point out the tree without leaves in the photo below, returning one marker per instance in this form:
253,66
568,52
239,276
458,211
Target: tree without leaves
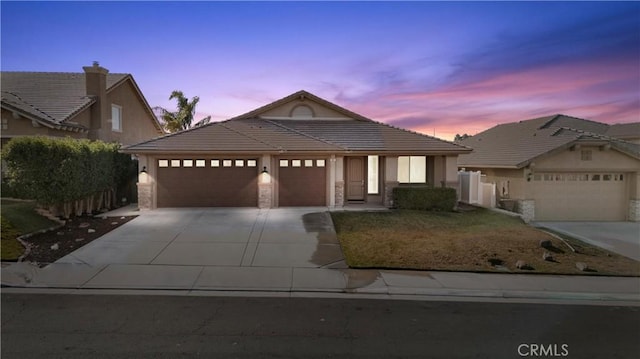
181,119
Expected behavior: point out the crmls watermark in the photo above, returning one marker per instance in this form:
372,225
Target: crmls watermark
543,350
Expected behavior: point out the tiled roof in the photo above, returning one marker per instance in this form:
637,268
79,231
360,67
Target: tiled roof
50,96
241,134
370,136
514,145
624,130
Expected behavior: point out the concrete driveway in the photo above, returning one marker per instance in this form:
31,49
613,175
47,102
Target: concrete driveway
241,237
618,237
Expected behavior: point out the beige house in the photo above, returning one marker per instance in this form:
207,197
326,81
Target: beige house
561,168
94,104
298,151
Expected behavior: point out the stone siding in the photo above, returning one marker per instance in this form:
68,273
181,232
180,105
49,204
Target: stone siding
339,194
634,210
527,208
265,191
144,196
387,201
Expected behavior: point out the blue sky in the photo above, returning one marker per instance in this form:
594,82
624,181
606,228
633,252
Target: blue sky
443,67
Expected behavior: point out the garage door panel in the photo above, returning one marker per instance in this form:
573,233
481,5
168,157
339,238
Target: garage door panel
302,186
207,186
580,200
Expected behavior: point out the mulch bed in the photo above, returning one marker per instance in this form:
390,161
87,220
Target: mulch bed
73,235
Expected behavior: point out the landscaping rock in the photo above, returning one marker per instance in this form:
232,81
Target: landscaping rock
60,233
521,264
91,230
114,223
55,247
582,266
546,243
547,256
83,225
79,239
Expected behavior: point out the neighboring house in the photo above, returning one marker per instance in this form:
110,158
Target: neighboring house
561,168
95,104
298,151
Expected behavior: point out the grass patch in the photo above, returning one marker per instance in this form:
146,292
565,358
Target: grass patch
23,216
478,240
18,218
10,248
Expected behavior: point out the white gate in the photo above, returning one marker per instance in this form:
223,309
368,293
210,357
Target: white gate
471,189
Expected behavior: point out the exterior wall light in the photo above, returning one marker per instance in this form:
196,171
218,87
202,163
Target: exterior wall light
264,170
144,169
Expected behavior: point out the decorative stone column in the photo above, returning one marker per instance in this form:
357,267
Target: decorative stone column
144,196
527,208
265,194
339,193
387,200
265,183
146,172
634,210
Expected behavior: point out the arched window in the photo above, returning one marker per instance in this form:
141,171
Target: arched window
302,111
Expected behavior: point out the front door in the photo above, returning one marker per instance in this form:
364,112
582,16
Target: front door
355,178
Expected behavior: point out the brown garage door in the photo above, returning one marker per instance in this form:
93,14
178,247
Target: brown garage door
197,182
302,182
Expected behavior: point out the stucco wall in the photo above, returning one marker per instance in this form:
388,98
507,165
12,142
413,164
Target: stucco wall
601,160
23,126
137,123
512,180
318,110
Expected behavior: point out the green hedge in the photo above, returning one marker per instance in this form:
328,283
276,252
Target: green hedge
425,198
65,171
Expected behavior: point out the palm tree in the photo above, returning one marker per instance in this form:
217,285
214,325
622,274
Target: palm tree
183,118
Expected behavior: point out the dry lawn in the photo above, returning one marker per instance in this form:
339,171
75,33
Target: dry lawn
478,241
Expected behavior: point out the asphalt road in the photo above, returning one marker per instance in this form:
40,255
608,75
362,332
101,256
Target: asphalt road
110,326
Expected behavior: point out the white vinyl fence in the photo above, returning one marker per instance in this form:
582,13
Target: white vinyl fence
473,191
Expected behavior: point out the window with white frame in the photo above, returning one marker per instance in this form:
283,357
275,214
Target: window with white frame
372,175
412,169
116,118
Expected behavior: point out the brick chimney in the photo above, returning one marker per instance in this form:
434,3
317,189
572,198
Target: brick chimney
96,83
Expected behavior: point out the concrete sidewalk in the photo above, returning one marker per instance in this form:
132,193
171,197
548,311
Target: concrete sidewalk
272,280
290,251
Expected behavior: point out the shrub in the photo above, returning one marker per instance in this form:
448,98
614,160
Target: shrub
425,198
74,174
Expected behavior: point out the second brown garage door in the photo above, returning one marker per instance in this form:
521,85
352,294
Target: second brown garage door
194,182
302,182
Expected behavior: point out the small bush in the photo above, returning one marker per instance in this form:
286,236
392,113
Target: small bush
425,198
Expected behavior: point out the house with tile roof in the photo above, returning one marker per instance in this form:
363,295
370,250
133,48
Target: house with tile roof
561,168
300,150
94,104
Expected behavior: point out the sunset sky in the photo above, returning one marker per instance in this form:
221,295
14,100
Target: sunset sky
434,67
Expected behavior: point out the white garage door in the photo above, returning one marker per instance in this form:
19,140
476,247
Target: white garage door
580,197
